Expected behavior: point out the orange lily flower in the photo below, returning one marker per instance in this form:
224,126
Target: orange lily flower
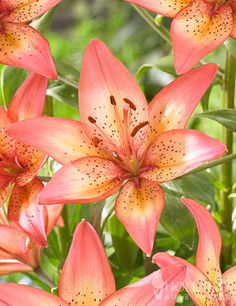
86,278
17,252
20,44
19,163
204,282
198,25
123,140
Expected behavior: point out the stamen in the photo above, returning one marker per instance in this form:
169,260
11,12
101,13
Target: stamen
131,104
113,100
91,120
138,128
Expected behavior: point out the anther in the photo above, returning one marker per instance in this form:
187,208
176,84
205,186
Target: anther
138,128
113,100
91,120
131,104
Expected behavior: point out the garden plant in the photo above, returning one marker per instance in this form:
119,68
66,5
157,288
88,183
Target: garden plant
117,152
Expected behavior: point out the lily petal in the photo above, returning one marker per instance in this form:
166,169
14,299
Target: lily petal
29,99
172,107
8,266
196,283
200,30
4,119
22,46
85,180
209,243
25,212
52,214
86,277
25,10
6,183
139,206
31,161
103,76
229,284
168,8
177,152
63,139
159,288
15,295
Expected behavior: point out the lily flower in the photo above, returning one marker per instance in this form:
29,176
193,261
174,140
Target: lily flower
20,44
198,25
123,140
21,255
87,279
204,282
19,163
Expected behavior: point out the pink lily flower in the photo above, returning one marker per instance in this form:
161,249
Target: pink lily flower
86,278
204,282
20,44
17,252
198,25
123,140
19,163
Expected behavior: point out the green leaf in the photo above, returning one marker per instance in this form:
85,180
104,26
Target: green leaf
43,23
11,79
175,218
64,93
226,117
165,64
125,248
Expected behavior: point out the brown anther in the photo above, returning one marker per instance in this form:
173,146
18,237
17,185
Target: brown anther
91,120
138,128
113,100
96,141
131,104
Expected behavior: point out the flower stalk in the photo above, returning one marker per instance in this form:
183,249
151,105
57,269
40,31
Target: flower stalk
227,167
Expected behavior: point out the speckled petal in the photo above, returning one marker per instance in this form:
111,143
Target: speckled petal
14,295
86,277
229,284
200,30
63,139
195,282
172,106
25,212
159,288
29,99
31,161
139,207
22,46
103,76
167,8
25,10
177,152
6,183
233,32
209,243
85,180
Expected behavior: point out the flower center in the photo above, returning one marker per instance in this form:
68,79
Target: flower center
127,159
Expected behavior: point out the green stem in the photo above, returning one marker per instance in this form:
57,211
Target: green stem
44,178
227,167
159,28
